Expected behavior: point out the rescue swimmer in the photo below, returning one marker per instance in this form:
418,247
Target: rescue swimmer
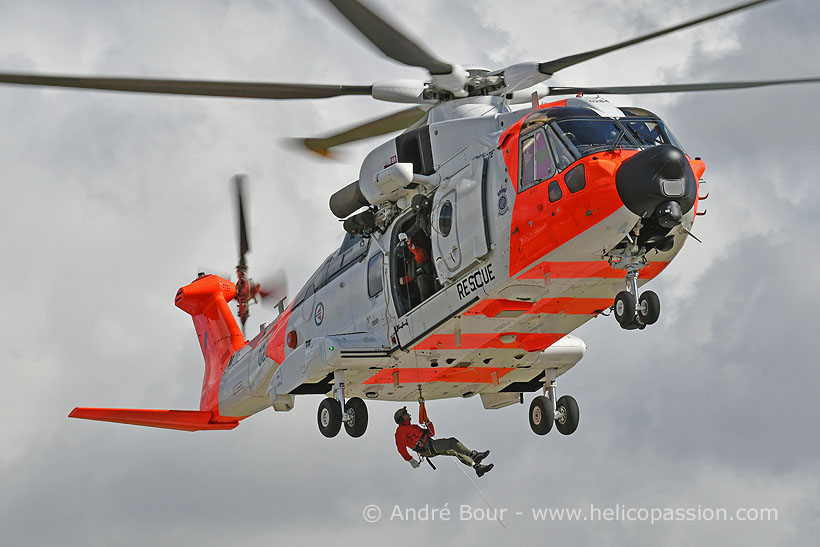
421,440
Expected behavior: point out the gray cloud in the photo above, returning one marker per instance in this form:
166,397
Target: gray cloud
111,202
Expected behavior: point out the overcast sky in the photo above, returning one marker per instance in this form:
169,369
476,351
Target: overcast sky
111,202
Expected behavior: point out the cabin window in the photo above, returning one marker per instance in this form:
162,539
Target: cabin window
575,179
445,218
375,279
554,191
536,161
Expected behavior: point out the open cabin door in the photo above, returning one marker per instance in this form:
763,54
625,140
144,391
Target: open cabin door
457,243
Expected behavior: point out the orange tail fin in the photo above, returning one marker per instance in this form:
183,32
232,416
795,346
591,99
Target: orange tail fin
206,300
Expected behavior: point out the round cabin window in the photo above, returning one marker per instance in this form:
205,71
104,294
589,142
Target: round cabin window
445,218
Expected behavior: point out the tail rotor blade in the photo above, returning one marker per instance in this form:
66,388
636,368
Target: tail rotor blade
273,287
239,184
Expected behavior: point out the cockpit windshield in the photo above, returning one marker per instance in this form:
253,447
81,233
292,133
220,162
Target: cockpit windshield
584,136
587,135
649,132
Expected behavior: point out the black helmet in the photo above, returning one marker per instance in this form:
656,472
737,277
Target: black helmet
399,415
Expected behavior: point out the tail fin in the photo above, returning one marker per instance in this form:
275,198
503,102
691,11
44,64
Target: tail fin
206,300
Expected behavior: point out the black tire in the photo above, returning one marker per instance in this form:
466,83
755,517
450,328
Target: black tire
542,415
357,410
634,325
649,308
330,417
568,408
624,308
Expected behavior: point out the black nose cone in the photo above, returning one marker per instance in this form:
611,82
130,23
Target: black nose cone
655,177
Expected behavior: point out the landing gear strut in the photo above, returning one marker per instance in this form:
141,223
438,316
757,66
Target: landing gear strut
546,411
633,311
330,416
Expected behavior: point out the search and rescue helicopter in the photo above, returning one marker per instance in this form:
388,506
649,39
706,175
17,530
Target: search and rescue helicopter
475,242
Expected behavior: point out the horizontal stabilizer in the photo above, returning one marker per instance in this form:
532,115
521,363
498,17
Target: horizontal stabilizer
184,420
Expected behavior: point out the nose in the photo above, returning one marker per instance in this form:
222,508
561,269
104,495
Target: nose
658,182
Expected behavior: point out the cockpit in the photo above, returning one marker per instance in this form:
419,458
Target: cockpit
553,138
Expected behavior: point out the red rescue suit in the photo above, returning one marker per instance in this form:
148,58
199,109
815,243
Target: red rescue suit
419,253
408,435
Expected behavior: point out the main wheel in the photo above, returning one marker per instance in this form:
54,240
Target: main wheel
330,417
625,308
567,408
542,414
356,425
649,307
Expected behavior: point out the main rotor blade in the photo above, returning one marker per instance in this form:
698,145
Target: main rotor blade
551,67
244,246
676,88
388,39
387,124
247,90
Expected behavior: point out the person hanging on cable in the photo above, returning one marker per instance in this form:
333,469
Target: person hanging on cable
421,440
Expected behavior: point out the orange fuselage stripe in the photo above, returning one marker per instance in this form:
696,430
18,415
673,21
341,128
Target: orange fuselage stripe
527,341
457,375
584,270
571,306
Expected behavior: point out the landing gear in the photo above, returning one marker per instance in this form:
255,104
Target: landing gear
624,308
566,412
633,311
542,415
649,308
544,410
356,411
331,417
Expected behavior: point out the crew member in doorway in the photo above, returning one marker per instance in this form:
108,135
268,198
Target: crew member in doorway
423,272
421,440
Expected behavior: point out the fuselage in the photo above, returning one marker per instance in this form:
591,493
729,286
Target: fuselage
521,217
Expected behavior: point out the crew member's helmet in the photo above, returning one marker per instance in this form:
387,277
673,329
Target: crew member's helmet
399,415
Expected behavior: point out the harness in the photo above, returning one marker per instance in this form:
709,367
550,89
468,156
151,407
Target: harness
422,441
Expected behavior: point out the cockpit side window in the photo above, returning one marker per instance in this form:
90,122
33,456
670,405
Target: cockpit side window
350,241
563,156
536,160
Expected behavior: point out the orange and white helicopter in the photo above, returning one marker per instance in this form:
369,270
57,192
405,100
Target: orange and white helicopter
476,241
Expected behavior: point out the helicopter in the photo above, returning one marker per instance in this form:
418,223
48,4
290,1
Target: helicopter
531,219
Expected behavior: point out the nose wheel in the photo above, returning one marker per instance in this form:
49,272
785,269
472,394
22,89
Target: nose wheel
649,308
633,311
